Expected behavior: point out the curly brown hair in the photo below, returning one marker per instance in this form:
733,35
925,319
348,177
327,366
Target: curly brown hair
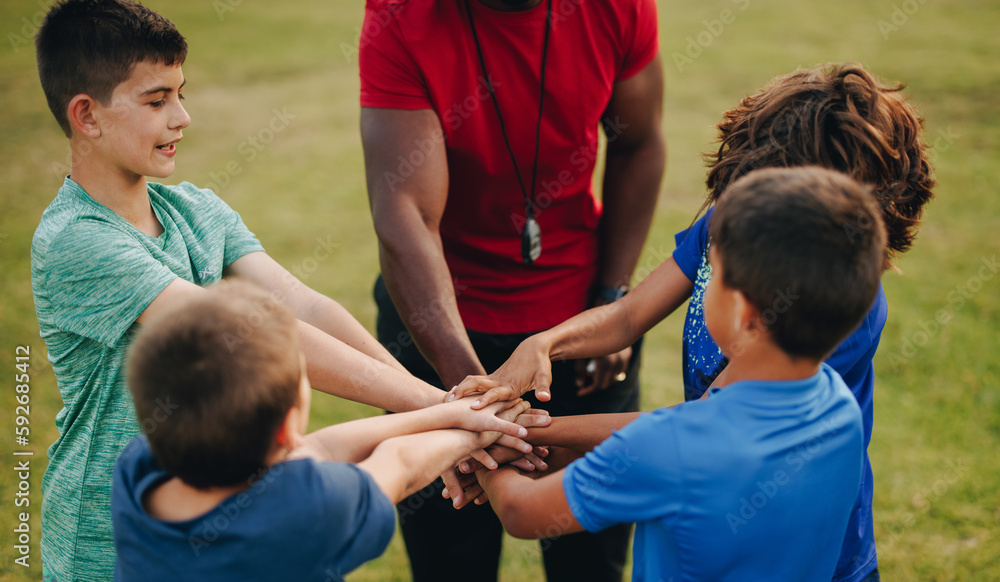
840,117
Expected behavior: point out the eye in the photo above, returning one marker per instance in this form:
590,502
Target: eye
158,104
180,96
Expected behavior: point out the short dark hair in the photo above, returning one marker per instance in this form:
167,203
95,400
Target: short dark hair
840,117
213,380
811,235
92,46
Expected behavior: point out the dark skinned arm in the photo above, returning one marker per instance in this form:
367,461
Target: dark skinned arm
634,165
407,213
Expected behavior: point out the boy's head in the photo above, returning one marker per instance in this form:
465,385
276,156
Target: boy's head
840,117
803,247
215,381
92,46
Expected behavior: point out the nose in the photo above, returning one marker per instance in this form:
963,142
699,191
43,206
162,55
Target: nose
180,118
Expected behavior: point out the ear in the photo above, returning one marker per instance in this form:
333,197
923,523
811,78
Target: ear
289,436
746,315
80,112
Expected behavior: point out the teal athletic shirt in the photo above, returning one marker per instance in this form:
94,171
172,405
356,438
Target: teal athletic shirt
92,275
755,482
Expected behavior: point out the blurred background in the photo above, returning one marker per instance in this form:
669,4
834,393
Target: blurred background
302,189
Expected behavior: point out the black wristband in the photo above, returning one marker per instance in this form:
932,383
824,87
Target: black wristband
609,294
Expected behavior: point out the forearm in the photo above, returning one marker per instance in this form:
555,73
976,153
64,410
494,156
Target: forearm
579,433
354,441
630,189
336,368
594,332
403,465
420,284
330,317
529,508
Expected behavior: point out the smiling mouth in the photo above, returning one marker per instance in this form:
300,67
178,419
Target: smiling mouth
167,147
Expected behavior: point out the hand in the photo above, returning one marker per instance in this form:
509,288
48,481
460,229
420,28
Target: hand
528,368
494,421
605,372
465,487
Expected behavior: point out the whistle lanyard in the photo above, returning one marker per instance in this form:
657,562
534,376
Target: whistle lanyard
531,236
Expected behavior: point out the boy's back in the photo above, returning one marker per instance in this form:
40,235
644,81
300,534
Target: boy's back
757,459
299,520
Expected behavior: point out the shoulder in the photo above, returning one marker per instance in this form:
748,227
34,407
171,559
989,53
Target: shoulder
183,195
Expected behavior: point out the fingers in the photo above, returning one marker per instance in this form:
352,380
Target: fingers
482,498
469,466
523,464
471,385
513,443
494,395
474,491
452,487
483,457
534,418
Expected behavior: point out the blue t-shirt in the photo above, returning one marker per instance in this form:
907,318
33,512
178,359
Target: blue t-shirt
755,482
299,520
852,360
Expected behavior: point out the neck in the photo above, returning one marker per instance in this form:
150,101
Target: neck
122,193
510,5
175,500
765,361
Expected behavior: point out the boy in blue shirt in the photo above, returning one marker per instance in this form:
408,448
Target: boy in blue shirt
223,486
837,116
756,481
112,250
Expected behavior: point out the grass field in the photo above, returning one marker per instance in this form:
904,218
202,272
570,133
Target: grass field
937,416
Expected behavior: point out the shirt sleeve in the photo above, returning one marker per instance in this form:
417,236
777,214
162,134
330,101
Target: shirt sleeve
691,245
644,42
390,77
216,214
632,476
101,279
362,512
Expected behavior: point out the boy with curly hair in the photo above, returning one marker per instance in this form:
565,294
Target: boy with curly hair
837,116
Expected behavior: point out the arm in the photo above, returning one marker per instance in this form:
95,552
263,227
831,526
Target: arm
580,433
310,306
332,365
402,465
594,332
634,164
407,212
353,441
529,508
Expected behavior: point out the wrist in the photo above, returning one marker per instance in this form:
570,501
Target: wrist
604,294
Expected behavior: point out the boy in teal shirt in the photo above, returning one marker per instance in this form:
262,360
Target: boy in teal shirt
112,250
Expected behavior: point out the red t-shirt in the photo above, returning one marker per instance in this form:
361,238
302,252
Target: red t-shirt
420,54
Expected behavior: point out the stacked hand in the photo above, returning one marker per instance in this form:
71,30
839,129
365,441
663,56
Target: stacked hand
501,425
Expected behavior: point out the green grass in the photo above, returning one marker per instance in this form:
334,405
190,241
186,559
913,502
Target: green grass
937,427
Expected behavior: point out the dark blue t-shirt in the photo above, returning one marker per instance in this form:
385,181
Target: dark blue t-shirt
852,360
756,482
299,520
